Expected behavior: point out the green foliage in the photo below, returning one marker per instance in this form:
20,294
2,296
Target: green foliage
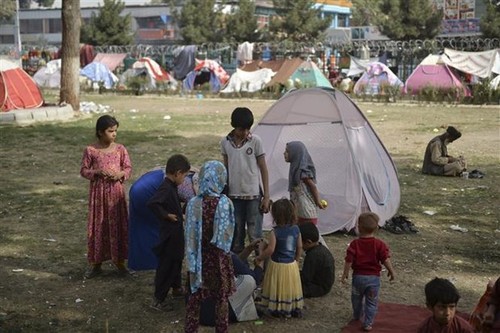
7,9
490,23
365,12
108,27
483,94
298,21
409,19
200,21
440,95
24,4
44,3
242,25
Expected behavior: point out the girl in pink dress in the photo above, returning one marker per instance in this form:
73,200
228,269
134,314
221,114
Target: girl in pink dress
106,164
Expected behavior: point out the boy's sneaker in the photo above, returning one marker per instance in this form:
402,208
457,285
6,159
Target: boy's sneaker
161,305
178,292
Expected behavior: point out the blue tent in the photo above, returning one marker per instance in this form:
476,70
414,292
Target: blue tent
200,77
99,72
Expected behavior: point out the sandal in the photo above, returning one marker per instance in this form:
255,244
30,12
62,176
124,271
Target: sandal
92,271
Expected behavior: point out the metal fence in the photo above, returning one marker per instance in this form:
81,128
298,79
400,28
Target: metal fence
403,55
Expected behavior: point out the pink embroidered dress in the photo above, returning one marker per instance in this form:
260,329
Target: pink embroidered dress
107,229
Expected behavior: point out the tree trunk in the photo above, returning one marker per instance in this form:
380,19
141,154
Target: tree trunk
70,54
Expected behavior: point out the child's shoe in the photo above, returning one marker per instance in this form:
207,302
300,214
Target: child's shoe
178,292
161,305
367,328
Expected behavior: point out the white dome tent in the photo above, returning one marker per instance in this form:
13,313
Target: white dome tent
355,173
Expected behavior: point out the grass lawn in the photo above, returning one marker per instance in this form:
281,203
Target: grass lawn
43,212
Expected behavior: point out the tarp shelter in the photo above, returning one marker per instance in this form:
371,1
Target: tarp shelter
97,72
111,60
243,81
274,65
156,74
481,64
355,172
495,83
184,61
285,71
437,75
358,66
308,75
375,76
49,76
206,71
17,89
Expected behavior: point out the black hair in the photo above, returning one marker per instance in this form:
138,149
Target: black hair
242,118
283,212
176,163
103,123
309,232
440,291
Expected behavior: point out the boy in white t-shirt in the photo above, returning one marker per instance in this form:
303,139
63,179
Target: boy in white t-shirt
245,161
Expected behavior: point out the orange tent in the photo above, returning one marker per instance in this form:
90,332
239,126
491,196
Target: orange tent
17,89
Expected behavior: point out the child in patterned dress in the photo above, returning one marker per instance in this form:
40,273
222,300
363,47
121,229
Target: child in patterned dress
107,165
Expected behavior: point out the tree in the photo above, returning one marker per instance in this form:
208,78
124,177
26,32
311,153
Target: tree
7,9
24,4
298,21
108,27
490,23
241,26
365,12
70,54
200,21
44,3
409,19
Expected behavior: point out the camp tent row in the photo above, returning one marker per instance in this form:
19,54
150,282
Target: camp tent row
291,73
440,71
101,70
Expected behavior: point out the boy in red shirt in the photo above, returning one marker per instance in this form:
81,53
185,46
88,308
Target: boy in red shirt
365,255
441,298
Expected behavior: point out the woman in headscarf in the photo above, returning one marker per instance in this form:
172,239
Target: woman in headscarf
208,236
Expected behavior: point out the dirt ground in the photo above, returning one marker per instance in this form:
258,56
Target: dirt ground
43,209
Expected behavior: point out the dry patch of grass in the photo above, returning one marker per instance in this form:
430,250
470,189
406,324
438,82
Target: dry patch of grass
43,214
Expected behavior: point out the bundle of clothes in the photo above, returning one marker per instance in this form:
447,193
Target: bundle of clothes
400,225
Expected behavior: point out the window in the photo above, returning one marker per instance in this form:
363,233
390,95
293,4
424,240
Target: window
342,21
6,39
55,26
31,26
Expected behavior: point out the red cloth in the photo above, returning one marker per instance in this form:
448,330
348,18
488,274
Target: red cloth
457,325
366,255
394,318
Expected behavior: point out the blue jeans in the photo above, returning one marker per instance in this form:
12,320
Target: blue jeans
248,217
365,288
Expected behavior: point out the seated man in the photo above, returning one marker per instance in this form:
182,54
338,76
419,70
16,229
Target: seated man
318,271
436,159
